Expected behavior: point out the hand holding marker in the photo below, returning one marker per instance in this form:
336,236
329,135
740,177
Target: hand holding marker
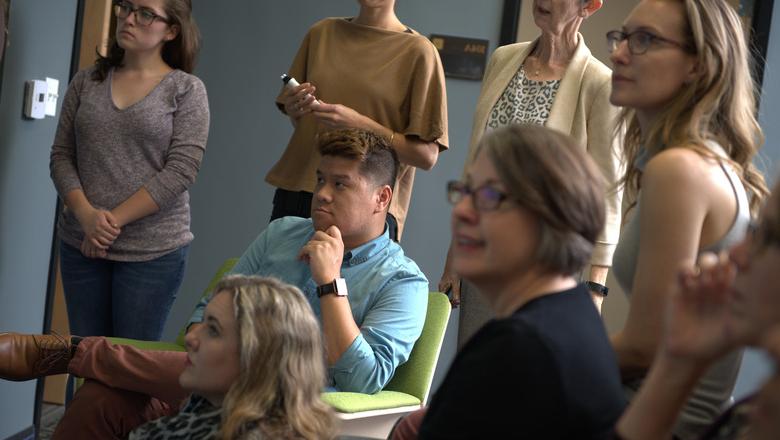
291,83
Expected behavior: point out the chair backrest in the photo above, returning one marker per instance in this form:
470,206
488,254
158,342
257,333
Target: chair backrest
415,375
225,268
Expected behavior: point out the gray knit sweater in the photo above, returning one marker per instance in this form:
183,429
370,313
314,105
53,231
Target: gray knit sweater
110,153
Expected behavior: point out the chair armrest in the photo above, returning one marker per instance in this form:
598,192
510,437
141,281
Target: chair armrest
148,345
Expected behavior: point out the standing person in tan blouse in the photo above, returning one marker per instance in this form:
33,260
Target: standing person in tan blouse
369,72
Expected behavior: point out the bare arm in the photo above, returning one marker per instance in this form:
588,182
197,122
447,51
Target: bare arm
411,149
598,274
673,209
450,280
653,411
697,332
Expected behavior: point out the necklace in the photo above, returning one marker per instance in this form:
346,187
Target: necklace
536,71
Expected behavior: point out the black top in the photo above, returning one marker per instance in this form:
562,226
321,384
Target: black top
546,372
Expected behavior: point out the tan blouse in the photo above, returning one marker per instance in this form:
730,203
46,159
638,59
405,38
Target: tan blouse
394,78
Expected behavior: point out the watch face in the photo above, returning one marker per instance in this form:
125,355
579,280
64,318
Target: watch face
341,287
337,287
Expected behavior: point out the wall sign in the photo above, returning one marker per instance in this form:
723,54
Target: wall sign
463,58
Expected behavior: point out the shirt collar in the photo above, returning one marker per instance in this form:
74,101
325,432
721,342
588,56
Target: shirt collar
365,251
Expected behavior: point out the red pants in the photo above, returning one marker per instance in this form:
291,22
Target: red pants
408,427
125,387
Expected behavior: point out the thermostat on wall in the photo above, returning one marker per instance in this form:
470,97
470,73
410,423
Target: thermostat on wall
35,99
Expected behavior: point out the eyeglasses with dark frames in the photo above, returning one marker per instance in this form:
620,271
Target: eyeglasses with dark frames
640,41
143,16
484,198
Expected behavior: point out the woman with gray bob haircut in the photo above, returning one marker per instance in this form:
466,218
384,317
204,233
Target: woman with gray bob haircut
524,223
565,195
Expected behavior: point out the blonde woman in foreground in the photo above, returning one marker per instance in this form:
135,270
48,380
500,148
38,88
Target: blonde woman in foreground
255,368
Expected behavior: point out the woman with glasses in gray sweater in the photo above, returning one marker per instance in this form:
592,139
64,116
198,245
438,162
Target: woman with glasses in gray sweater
130,140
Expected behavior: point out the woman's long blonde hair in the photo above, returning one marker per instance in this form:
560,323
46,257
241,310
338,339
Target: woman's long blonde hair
718,105
277,393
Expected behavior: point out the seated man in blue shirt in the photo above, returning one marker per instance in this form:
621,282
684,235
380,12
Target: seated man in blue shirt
370,298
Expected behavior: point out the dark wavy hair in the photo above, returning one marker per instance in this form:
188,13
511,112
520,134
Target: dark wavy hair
179,53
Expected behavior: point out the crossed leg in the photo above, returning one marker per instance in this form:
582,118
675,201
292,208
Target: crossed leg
125,388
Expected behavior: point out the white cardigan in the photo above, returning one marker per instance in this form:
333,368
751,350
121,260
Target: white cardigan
581,109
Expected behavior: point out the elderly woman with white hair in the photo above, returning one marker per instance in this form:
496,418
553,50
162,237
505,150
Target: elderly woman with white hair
552,81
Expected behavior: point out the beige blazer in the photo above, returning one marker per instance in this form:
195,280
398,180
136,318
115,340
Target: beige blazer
581,109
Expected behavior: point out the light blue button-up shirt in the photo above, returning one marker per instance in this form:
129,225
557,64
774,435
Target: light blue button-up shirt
388,295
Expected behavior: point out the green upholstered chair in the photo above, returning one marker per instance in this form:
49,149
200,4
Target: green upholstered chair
373,415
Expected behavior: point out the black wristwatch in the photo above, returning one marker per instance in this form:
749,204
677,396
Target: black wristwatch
336,287
598,288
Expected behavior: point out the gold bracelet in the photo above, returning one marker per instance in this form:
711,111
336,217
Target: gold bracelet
392,136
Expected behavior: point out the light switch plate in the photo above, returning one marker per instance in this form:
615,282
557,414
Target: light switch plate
35,99
52,90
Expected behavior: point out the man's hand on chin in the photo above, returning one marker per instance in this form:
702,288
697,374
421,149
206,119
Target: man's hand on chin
324,253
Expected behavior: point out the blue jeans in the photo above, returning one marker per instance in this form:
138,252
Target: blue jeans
118,298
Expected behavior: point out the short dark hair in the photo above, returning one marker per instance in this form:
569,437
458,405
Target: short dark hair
180,53
378,160
551,176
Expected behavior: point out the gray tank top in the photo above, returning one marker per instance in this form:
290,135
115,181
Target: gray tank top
714,389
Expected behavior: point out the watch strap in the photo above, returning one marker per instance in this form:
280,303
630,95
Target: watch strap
326,289
336,287
598,288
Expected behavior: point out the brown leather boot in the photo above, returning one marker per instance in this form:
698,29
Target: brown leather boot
25,357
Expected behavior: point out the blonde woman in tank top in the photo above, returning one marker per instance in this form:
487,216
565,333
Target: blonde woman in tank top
681,70
727,301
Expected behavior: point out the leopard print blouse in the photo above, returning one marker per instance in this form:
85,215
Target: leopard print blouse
523,101
198,419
